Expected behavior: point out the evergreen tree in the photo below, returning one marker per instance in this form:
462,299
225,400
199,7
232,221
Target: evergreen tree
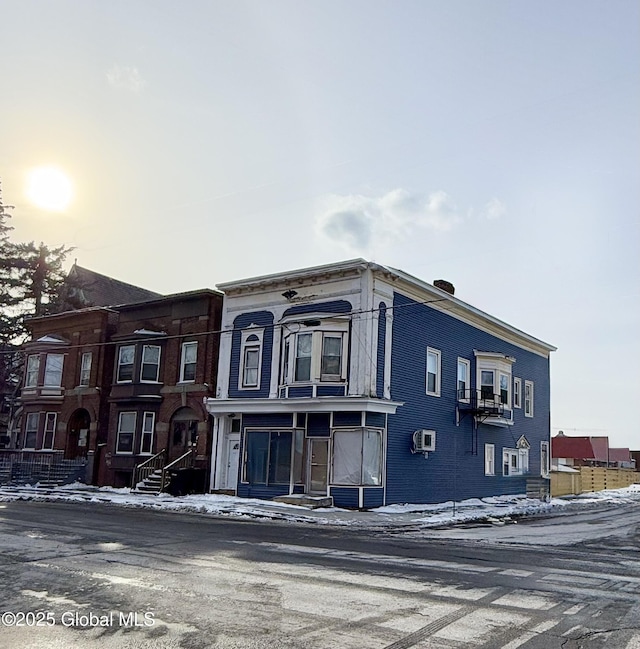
31,279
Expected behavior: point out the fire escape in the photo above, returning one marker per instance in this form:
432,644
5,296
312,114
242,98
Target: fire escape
484,406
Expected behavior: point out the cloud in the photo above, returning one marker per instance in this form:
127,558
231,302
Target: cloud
357,221
127,78
494,209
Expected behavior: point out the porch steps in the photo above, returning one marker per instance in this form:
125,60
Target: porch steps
304,500
152,484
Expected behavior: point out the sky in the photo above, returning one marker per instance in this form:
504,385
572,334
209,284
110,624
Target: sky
495,144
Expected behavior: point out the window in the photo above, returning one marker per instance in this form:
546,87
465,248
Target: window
271,455
250,358
318,353
148,426
49,430
250,365
544,459
486,385
31,429
330,365
433,372
463,384
493,372
85,368
517,393
53,370
185,432
528,398
126,432
150,363
515,461
33,369
126,355
505,381
357,457
489,459
188,362
303,357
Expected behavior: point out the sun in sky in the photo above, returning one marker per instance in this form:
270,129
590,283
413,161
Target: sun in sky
49,188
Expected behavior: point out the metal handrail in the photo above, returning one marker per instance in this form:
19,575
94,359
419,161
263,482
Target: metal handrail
146,468
180,463
478,401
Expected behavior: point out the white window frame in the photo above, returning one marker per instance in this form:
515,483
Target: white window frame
120,364
466,394
157,364
521,456
31,429
32,372
374,481
183,361
545,465
327,328
437,354
507,382
131,432
86,361
528,398
489,459
50,423
251,341
517,393
53,376
148,431
483,384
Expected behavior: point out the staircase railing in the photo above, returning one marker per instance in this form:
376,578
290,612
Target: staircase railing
183,462
146,468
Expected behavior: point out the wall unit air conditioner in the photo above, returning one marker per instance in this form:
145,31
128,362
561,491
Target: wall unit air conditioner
424,441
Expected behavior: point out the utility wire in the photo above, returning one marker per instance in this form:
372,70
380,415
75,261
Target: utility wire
160,336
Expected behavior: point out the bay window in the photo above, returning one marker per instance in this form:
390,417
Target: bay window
494,377
315,353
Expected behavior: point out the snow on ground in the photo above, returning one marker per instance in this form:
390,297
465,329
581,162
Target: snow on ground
497,509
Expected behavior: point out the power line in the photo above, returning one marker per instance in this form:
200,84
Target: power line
160,336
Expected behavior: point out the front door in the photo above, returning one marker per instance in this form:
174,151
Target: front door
233,456
318,466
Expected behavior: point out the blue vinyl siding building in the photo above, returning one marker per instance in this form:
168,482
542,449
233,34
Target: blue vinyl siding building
360,382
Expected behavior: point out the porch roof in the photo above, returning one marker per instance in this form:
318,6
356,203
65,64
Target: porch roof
301,404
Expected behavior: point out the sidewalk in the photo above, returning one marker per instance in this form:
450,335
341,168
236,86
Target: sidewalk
497,510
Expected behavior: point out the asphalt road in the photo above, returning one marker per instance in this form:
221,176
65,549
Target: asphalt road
87,575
